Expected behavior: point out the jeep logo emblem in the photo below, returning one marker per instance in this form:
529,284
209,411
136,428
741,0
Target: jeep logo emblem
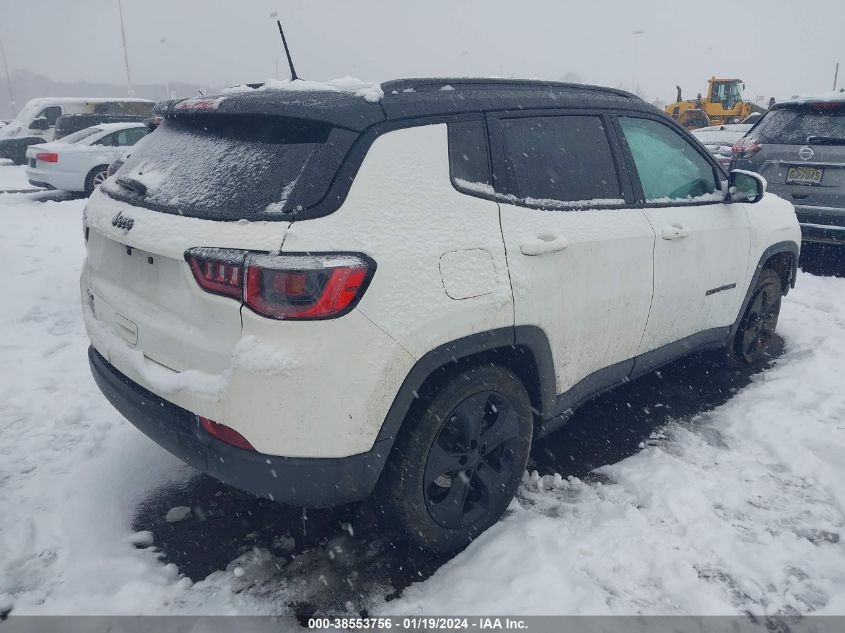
122,222
806,152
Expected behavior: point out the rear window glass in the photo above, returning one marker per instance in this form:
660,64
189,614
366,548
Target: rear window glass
468,161
78,136
560,159
136,108
796,125
225,167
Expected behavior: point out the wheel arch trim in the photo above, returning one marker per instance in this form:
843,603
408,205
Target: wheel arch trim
529,337
787,247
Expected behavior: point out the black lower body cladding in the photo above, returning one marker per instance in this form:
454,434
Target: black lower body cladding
298,481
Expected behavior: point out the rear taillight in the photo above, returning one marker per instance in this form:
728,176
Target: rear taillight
296,286
47,157
225,434
217,270
745,147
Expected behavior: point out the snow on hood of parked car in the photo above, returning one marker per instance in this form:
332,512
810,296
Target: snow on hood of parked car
720,135
367,90
821,97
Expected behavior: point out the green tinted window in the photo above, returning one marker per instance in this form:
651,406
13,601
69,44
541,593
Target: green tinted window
668,166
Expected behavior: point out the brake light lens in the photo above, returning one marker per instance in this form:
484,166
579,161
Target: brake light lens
225,434
47,157
296,286
217,270
745,147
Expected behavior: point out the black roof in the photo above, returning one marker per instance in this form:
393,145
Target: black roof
407,98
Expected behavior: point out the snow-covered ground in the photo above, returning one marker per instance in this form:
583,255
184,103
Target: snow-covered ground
738,509
12,177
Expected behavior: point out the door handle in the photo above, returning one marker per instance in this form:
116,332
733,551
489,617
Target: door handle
544,244
675,232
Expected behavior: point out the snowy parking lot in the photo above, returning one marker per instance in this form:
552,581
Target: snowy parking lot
696,490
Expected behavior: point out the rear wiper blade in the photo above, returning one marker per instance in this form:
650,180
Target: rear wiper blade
133,185
826,140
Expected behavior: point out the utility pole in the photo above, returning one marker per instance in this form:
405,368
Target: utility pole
634,35
125,54
835,76
8,80
166,81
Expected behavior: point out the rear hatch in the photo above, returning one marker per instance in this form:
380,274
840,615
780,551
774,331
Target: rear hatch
198,181
800,150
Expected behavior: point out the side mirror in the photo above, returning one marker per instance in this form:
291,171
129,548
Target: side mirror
40,123
745,186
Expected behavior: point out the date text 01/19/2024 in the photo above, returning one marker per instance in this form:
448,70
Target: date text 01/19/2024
420,623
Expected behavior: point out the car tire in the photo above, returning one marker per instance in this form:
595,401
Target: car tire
95,178
459,459
751,338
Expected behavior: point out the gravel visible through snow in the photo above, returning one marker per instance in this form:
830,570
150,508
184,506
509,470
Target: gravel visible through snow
695,490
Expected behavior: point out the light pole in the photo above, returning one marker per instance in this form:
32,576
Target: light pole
125,54
163,42
8,81
634,34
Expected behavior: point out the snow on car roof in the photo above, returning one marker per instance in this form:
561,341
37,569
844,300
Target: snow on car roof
822,97
356,105
728,127
123,125
60,100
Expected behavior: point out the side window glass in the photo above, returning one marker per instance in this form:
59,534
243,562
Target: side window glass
108,140
133,135
668,166
469,165
51,114
560,161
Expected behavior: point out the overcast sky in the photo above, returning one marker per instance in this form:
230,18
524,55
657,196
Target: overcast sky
779,47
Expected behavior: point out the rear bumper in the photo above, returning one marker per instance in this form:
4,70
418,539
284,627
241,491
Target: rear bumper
824,225
822,234
299,481
54,179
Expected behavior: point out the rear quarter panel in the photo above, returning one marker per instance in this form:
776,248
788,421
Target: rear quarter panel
403,211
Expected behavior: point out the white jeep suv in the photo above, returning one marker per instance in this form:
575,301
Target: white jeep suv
317,295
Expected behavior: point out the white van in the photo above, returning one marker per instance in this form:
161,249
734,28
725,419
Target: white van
36,123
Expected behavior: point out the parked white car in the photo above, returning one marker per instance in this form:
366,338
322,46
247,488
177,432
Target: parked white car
79,162
36,122
316,296
718,139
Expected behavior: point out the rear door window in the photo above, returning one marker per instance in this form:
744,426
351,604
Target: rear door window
122,138
799,125
559,161
51,114
469,163
669,167
225,166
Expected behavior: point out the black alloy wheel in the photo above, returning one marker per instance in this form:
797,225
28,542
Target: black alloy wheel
471,460
758,323
458,459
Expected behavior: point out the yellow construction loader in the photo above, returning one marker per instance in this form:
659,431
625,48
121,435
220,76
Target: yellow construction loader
722,104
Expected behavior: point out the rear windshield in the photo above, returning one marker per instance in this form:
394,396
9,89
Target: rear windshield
798,125
222,167
78,136
136,108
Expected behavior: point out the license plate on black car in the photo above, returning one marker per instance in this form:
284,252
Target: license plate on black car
804,176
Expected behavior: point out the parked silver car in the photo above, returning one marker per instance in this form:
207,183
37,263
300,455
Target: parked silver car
719,139
799,147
